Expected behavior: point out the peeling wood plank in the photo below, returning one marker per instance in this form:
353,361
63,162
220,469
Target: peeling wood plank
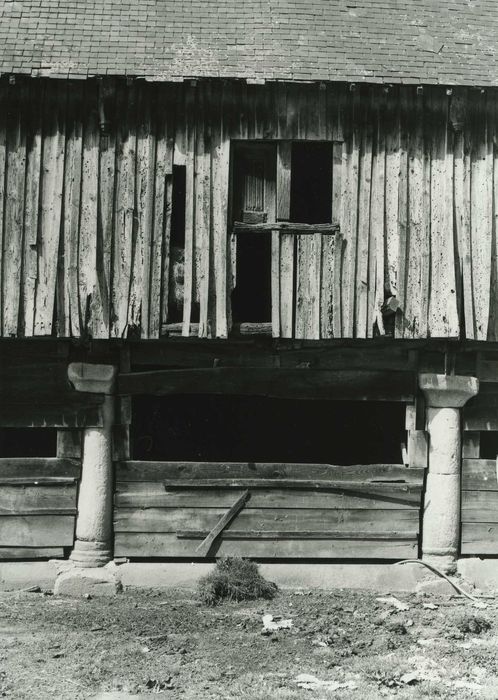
443,313
403,231
417,277
481,215
88,257
162,200
101,311
376,272
138,310
203,212
126,145
220,161
72,323
364,197
287,242
190,212
393,165
462,190
13,235
4,101
349,221
32,205
54,135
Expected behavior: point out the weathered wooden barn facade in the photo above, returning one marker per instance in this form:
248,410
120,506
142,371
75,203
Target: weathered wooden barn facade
248,281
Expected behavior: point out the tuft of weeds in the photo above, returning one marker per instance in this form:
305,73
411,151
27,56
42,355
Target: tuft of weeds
234,579
472,624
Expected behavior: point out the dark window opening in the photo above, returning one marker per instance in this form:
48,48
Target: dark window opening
311,182
257,429
488,444
253,201
177,244
28,442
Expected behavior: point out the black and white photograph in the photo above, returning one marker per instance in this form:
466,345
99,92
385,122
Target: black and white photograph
248,349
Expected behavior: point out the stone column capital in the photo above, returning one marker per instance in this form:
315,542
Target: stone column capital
447,391
92,379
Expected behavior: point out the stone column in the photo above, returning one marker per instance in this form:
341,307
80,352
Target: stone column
93,546
445,395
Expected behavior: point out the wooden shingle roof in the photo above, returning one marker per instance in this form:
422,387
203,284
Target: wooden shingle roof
451,42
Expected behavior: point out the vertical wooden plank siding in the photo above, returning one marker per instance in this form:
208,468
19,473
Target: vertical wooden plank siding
417,280
14,212
105,210
138,311
124,210
287,241
481,215
86,197
443,314
349,218
365,179
4,107
375,322
70,308
32,205
189,262
51,206
88,258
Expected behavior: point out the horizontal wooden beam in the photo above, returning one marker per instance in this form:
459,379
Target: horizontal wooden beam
137,471
151,544
35,468
238,329
285,227
301,535
297,383
19,553
352,487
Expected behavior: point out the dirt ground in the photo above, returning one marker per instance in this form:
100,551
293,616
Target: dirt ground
352,644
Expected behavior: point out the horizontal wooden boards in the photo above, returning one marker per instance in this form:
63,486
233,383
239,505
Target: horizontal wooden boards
479,474
32,468
279,383
36,530
289,519
376,354
479,538
168,545
368,473
17,553
38,500
150,494
479,513
163,509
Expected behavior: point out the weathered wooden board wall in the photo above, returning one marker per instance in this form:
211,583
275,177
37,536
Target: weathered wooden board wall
166,509
37,506
85,213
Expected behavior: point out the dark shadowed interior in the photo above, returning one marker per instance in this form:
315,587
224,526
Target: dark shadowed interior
257,429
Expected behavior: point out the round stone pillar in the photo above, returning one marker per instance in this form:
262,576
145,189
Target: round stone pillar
445,395
93,546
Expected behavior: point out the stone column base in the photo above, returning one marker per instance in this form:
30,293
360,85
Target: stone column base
78,582
90,554
447,563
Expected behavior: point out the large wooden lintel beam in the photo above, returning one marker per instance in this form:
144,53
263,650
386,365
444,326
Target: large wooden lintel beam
285,227
344,385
